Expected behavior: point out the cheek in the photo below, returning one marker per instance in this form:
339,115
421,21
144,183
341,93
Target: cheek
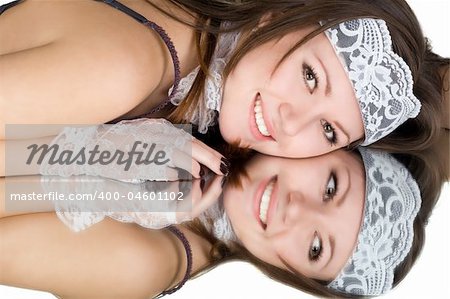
238,206
287,80
265,250
307,144
247,71
255,69
233,202
227,126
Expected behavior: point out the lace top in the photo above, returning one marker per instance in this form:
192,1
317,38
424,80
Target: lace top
205,113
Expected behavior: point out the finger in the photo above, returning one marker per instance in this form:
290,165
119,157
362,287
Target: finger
190,196
196,192
193,199
193,194
210,195
208,158
186,162
207,147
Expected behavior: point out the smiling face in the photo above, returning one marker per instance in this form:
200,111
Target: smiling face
300,215
304,107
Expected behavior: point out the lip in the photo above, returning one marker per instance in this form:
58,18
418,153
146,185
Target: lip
252,122
258,197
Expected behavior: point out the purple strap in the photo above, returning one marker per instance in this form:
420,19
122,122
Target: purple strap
162,33
187,248
7,6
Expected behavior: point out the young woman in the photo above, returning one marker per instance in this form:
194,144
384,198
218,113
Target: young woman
318,233
284,84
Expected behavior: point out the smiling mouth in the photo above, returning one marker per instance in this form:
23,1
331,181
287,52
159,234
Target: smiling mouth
259,117
265,201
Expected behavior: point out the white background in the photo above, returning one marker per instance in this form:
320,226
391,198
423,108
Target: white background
429,278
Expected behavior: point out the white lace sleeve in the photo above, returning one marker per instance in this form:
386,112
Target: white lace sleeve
133,150
76,214
97,198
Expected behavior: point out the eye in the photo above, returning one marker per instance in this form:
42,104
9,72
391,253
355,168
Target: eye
316,248
330,188
329,132
310,78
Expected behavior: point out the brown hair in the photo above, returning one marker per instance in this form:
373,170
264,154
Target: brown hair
426,168
290,15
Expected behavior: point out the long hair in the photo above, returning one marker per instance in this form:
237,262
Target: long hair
290,15
427,169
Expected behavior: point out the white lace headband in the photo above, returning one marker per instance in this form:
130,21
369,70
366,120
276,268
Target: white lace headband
386,235
382,80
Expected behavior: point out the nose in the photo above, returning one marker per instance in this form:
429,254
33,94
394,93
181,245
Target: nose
299,208
291,122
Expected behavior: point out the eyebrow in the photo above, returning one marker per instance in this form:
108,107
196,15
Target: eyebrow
341,200
328,85
344,195
327,93
332,242
341,128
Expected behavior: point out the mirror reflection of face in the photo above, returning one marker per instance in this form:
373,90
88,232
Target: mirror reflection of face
301,215
305,107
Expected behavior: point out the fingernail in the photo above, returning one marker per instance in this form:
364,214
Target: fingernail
225,160
224,169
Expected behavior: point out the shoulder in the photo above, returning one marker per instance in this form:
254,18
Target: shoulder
138,263
92,30
144,265
108,58
116,46
109,260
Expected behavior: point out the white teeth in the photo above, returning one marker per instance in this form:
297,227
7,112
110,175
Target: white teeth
265,201
261,125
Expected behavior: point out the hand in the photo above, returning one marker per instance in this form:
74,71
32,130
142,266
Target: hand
151,204
118,151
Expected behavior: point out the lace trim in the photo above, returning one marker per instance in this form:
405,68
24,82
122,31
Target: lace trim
382,80
204,114
217,222
386,235
79,215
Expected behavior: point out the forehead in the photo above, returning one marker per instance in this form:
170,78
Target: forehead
342,225
345,229
338,101
317,42
351,159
